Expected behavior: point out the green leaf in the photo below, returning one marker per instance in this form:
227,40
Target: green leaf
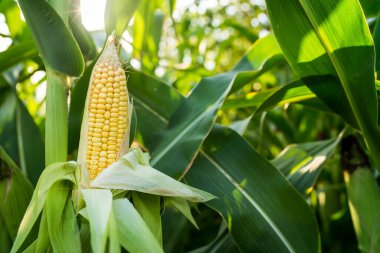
301,163
133,172
134,234
43,241
364,201
17,53
53,173
62,224
99,206
56,44
183,206
223,243
15,194
114,243
329,38
154,102
240,126
255,200
149,208
118,14
21,137
5,239
190,124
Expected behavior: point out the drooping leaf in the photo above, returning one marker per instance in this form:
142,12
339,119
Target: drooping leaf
61,219
301,163
149,208
17,53
255,199
133,172
134,234
98,206
53,173
183,206
332,38
54,40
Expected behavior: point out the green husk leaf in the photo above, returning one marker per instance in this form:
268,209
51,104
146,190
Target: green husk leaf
114,243
53,173
99,205
132,172
148,207
134,234
62,225
182,206
43,241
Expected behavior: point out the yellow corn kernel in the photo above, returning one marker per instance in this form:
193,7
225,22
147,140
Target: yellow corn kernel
108,117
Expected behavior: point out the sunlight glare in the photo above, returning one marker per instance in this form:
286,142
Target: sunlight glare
93,14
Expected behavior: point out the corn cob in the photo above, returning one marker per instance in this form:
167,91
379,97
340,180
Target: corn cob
105,126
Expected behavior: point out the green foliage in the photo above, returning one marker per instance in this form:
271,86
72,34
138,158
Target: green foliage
216,94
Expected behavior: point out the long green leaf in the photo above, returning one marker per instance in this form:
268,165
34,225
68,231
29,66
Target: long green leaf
332,38
149,208
263,211
61,219
364,201
55,42
134,234
99,206
17,53
301,163
52,174
21,137
15,194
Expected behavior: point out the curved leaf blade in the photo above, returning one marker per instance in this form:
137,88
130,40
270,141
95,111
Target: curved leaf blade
263,211
56,44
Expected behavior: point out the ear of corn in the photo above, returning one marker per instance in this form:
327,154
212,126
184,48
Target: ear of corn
106,120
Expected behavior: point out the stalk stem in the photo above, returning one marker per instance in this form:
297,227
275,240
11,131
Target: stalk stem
56,118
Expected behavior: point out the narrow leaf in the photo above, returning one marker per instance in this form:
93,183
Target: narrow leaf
134,234
99,205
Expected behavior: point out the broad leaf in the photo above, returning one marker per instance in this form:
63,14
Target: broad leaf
263,211
332,38
55,42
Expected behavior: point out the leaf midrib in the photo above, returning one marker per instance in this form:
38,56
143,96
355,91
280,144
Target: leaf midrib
251,200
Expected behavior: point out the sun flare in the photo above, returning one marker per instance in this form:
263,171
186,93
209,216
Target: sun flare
93,14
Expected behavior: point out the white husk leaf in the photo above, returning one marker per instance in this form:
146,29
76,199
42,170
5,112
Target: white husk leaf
133,172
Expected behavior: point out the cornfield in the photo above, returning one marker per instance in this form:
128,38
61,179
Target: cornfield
189,126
